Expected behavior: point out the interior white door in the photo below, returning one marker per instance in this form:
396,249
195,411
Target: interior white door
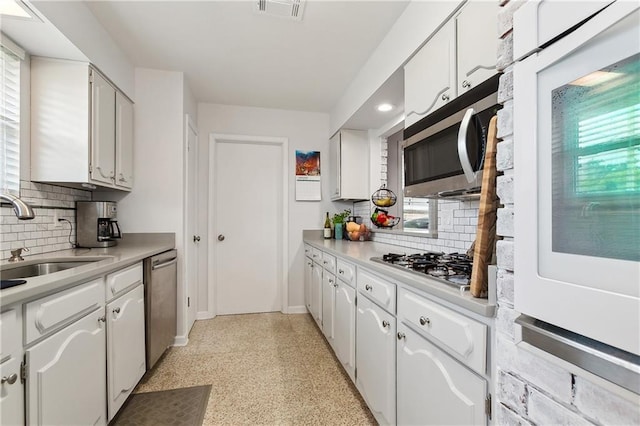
191,223
247,226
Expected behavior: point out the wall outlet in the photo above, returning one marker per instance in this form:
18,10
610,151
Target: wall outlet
446,220
56,222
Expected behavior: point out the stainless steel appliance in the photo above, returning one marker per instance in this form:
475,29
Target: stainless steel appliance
453,269
444,152
160,297
97,223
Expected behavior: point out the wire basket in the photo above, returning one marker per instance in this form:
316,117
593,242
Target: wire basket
389,222
384,197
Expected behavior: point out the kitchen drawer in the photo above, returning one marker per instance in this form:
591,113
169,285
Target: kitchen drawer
377,289
346,271
463,337
316,255
329,262
308,251
10,332
44,316
121,280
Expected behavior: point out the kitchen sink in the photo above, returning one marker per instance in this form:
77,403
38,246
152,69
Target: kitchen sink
11,272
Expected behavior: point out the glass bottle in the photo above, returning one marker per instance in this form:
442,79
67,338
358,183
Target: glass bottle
327,227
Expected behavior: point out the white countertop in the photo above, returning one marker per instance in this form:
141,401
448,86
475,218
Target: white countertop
361,252
131,249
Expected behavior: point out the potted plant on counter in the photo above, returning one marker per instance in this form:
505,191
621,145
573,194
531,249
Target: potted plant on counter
338,223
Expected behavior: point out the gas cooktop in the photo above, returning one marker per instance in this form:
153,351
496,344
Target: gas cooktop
453,269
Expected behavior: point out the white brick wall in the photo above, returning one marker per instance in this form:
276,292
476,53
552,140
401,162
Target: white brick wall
40,235
530,389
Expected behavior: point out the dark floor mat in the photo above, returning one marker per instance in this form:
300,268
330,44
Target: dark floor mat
176,407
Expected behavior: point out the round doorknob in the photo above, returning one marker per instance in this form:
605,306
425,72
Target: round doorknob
220,237
401,335
445,97
466,84
385,323
196,238
11,379
424,321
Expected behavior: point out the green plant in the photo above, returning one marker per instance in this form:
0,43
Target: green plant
340,217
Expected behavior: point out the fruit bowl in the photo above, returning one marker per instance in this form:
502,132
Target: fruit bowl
382,219
356,232
384,197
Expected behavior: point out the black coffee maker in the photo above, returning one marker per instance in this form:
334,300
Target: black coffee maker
97,223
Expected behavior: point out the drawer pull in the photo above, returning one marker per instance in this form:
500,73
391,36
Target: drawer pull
330,281
102,319
335,285
425,321
325,262
341,271
401,335
11,379
116,311
385,323
368,287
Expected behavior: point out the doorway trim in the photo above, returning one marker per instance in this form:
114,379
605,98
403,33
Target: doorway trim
283,243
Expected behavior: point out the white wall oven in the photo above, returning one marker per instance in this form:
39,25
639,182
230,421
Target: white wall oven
577,178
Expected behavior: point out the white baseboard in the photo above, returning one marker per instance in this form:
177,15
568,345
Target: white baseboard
205,315
302,309
180,341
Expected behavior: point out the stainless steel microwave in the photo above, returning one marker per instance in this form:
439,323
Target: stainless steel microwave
443,154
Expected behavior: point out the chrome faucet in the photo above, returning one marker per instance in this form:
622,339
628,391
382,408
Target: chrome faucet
16,255
21,209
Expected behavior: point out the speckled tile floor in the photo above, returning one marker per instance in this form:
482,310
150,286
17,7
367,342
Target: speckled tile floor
265,369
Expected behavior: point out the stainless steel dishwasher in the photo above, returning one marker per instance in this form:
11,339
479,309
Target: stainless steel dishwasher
160,296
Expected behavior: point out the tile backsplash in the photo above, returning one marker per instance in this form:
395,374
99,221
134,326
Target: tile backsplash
457,226
41,234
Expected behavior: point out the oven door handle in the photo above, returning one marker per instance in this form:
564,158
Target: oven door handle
462,146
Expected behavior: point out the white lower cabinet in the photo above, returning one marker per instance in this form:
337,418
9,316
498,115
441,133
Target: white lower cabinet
125,346
308,276
11,389
66,381
433,388
328,305
316,294
344,334
376,360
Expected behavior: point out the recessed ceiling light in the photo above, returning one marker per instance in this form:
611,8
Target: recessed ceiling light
384,107
17,9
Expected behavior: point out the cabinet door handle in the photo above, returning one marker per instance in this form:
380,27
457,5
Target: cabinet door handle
385,323
11,379
466,84
401,335
341,271
368,287
425,321
102,319
445,97
116,311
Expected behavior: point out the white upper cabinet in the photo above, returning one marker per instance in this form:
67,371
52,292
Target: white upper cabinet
349,165
124,141
477,44
81,127
430,76
103,129
457,58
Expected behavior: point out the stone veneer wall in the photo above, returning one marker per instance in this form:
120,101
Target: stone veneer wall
40,235
533,388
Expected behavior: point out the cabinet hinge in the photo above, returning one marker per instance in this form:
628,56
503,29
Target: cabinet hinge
487,406
23,370
90,76
90,168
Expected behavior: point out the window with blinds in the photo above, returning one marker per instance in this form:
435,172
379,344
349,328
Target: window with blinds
9,121
596,163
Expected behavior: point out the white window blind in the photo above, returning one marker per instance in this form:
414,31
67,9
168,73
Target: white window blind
9,121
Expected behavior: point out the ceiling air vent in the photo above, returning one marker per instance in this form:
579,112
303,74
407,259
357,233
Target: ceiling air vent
282,8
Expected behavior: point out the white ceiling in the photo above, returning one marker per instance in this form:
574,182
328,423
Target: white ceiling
232,55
